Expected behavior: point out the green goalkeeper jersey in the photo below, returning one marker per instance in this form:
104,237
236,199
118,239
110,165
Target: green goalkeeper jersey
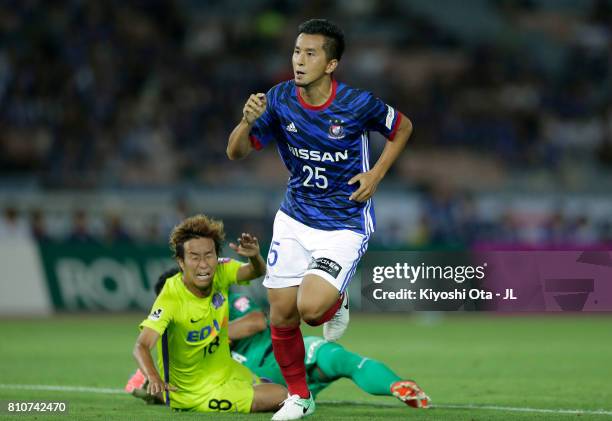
255,351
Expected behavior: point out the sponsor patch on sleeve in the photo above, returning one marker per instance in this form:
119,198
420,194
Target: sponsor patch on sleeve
223,260
326,265
156,314
390,117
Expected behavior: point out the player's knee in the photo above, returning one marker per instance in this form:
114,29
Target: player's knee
284,320
283,313
310,313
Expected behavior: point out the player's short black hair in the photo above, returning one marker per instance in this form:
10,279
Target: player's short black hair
161,281
334,37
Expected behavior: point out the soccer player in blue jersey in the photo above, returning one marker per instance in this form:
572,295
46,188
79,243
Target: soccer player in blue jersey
322,229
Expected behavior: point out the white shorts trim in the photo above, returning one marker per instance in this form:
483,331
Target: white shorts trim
298,250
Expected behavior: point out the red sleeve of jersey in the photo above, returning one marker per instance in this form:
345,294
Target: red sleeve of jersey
395,126
255,143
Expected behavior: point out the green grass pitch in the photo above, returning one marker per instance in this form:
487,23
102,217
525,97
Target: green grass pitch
473,366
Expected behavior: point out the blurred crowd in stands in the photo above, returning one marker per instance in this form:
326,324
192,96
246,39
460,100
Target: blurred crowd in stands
82,227
144,93
444,219
124,94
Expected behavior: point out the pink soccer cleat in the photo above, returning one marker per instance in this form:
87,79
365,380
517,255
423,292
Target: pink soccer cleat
137,381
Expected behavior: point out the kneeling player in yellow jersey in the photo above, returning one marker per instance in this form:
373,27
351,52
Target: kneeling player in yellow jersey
191,316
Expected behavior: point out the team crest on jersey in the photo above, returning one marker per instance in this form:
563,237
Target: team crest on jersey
336,129
242,304
217,300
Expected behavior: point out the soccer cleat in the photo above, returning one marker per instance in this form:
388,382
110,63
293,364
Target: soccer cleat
295,408
410,393
336,326
137,381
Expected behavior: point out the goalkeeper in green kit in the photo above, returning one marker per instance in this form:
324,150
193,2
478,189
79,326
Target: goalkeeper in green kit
325,361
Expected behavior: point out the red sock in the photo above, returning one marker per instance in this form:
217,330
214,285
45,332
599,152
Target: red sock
326,317
288,346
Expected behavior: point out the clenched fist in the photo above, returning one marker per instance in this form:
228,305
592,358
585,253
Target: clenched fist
254,107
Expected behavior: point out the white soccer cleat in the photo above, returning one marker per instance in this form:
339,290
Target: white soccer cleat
336,326
295,408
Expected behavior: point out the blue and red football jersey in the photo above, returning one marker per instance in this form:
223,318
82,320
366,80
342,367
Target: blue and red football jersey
323,147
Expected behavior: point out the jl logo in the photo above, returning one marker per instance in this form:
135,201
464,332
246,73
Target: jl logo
336,129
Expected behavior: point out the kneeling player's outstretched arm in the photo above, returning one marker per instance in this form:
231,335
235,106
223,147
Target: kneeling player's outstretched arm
239,145
142,353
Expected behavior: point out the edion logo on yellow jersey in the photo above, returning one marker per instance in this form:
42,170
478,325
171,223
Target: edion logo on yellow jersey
205,332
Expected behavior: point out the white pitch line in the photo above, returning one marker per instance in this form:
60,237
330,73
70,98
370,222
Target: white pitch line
101,390
539,410
481,407
111,391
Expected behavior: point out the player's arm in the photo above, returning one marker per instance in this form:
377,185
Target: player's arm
142,353
239,144
247,325
248,246
368,181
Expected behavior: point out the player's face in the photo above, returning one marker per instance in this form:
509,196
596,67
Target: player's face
199,263
309,60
